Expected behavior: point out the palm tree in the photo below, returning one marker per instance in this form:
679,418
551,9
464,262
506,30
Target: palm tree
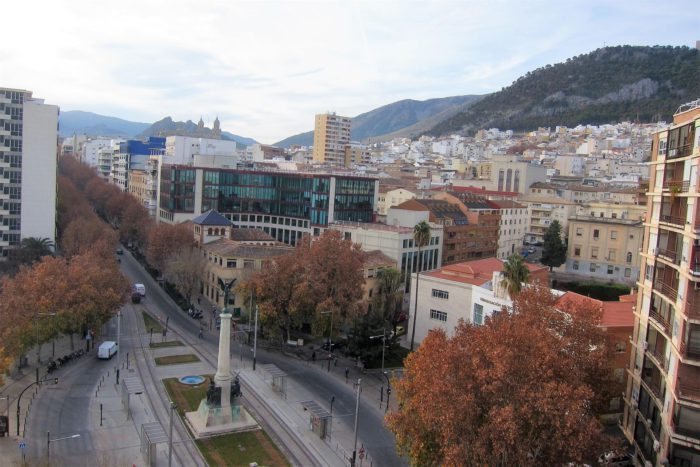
515,272
388,300
33,248
421,237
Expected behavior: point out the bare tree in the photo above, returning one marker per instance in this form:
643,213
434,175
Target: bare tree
184,269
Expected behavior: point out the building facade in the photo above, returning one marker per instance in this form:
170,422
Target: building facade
285,205
28,165
662,412
512,227
331,136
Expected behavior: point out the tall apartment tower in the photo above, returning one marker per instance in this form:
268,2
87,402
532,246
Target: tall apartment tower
28,163
662,401
331,136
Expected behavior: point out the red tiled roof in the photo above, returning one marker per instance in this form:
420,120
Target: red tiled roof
475,272
614,314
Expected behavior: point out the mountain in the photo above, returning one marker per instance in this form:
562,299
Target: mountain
88,123
608,85
393,119
168,127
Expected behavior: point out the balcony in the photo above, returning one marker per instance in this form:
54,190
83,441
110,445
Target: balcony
670,255
660,321
688,391
677,186
680,151
674,220
666,290
658,357
690,351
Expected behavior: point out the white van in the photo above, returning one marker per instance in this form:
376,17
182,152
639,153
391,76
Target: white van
141,289
106,350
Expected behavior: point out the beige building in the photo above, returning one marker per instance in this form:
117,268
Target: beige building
374,262
604,247
331,136
662,401
231,253
357,154
512,227
509,173
392,198
542,210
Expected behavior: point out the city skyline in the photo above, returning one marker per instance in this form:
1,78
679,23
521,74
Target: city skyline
266,68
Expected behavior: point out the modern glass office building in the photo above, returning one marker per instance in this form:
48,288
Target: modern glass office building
284,204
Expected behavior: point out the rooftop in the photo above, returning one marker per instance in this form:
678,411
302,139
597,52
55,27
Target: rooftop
230,248
614,314
476,272
211,218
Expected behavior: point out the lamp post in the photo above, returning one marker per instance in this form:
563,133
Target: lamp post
383,336
330,339
49,441
255,338
388,391
170,436
357,411
36,325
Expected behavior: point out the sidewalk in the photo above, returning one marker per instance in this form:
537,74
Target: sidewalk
17,382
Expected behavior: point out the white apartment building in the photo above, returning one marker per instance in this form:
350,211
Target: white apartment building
183,149
542,211
90,151
470,291
396,242
28,160
515,219
104,160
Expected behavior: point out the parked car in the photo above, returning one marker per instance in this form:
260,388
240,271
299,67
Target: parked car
107,350
615,459
140,288
120,251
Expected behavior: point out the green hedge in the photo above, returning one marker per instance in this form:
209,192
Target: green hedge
597,290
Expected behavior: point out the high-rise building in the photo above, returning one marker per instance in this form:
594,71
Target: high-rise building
662,403
28,146
331,136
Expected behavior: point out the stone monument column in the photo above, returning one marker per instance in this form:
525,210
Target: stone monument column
223,375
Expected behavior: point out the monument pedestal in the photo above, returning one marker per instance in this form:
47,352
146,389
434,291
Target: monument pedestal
211,421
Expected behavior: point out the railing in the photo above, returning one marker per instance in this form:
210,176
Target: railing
671,255
677,186
688,391
656,391
680,151
692,309
659,358
660,321
667,290
678,221
689,351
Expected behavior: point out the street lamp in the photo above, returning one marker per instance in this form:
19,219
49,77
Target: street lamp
49,441
388,391
383,336
330,339
357,411
255,338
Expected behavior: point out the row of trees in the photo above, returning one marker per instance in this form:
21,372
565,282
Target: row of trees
45,295
168,249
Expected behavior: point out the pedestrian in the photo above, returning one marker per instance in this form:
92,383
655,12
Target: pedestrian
347,373
313,356
199,300
201,332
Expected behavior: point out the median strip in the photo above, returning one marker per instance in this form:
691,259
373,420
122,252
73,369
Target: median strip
177,359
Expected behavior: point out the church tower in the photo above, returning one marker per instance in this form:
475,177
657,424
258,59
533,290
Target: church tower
200,127
216,132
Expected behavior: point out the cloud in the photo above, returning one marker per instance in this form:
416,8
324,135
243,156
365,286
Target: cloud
267,67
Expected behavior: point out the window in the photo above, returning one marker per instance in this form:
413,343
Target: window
628,272
610,269
438,315
575,266
441,294
614,215
596,234
620,347
629,257
612,255
579,231
478,314
594,252
613,235
577,251
592,267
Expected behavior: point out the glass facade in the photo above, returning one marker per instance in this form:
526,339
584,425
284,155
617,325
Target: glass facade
305,196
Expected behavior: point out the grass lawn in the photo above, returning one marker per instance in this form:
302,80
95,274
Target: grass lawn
157,345
150,322
393,359
235,449
176,359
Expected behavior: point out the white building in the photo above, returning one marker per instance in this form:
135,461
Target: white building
183,149
90,152
513,227
468,291
29,130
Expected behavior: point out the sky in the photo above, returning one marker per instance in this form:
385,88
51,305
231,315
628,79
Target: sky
267,67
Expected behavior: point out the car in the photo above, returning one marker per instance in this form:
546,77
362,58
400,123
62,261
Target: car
135,297
615,459
120,251
530,250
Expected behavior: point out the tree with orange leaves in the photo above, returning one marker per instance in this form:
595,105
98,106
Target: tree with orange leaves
519,390
166,239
